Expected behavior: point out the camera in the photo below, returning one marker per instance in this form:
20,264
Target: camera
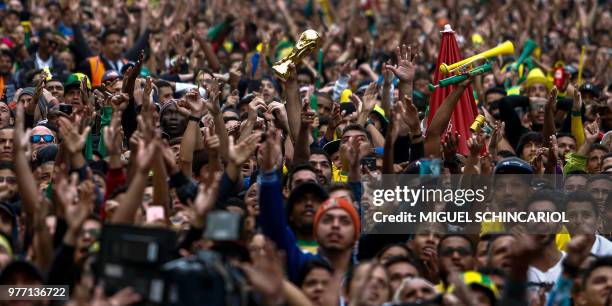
132,256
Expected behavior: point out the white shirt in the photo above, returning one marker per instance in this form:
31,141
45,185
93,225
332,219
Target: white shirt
40,64
536,276
601,246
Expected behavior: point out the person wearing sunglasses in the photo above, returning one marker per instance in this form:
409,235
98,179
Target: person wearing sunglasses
41,136
456,254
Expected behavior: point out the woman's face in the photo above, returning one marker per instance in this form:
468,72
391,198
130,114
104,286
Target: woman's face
251,199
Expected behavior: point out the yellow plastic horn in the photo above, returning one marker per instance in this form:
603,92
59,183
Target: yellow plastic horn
504,48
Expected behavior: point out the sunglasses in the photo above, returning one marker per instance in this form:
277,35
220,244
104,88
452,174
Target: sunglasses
9,179
45,138
95,233
446,252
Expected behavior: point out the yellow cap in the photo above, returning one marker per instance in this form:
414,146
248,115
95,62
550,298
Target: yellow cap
537,76
477,39
344,96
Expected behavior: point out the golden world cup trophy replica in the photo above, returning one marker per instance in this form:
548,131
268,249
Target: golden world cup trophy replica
309,41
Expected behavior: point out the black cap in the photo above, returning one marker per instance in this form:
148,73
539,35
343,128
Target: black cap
17,267
332,147
300,190
590,88
513,165
44,155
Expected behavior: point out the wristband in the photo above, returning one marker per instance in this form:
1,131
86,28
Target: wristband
194,118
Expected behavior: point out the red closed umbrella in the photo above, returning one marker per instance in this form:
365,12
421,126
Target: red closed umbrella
466,110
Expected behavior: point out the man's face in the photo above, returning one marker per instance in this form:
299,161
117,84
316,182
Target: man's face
530,150
315,284
488,82
398,271
575,182
566,145
5,64
324,107
41,132
481,253
302,176
500,253
173,122
56,88
73,96
544,232
6,145
456,254
418,291
8,184
304,210
113,46
5,116
304,80
43,175
90,232
511,192
582,218
165,94
491,97
425,243
25,100
361,138
335,230
324,171
598,286
594,161
376,289
49,44
599,190
10,21
268,91
538,90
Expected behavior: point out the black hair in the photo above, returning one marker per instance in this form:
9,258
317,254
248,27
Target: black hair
9,53
163,83
528,137
325,95
110,31
334,186
506,153
357,127
319,151
598,177
200,159
583,196
466,237
495,90
397,259
598,263
295,168
304,70
598,146
311,264
351,273
7,165
558,199
388,246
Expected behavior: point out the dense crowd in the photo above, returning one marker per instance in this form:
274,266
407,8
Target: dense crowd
165,120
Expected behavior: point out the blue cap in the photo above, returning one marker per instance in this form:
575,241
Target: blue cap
513,165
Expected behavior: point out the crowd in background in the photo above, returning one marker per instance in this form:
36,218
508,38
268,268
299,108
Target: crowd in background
159,114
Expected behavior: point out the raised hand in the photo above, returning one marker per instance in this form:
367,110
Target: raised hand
119,102
212,140
475,144
406,67
124,297
551,103
72,140
349,152
239,153
308,116
266,273
591,131
410,115
21,138
271,150
212,103
144,156
577,103
113,136
207,194
449,145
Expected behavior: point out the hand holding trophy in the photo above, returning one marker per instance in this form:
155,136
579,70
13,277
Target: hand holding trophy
309,40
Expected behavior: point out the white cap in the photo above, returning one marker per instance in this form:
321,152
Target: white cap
447,29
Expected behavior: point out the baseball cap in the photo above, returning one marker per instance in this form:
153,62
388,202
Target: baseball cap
75,80
513,165
332,147
302,189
